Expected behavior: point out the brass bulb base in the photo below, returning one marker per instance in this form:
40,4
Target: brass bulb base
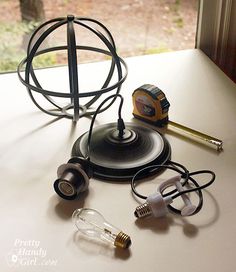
122,240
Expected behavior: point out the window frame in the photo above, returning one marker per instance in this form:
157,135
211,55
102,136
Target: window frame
215,33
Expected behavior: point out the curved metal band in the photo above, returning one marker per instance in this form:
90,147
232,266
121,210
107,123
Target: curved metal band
74,95
30,57
110,74
68,95
72,65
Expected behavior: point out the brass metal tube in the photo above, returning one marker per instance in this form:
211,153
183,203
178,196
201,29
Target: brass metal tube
204,137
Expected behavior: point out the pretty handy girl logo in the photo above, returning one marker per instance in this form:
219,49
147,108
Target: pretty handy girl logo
29,253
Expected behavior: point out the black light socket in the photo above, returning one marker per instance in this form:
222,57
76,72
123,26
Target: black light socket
72,180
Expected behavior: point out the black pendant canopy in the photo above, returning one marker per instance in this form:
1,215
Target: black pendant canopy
119,157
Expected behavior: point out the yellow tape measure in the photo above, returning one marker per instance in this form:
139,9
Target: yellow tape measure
151,105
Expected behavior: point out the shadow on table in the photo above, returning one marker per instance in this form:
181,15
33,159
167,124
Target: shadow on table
98,247
63,209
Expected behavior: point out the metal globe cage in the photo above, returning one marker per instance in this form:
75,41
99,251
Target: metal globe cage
32,84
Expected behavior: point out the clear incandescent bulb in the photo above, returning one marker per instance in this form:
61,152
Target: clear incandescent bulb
91,223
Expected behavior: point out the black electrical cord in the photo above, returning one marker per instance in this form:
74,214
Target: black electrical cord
120,122
187,176
187,180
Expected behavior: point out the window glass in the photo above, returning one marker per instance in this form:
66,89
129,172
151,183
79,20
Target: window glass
138,27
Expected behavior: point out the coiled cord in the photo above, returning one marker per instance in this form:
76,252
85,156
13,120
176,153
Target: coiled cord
188,180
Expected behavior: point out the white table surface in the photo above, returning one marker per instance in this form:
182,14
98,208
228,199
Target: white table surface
33,145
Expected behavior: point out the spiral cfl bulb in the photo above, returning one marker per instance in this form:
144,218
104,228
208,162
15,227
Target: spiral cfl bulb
91,223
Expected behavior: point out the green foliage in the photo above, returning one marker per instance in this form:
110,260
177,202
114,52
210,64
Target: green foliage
45,60
11,46
178,19
157,50
179,22
10,59
65,2
174,7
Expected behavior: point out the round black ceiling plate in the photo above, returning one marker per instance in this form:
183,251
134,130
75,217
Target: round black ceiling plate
117,158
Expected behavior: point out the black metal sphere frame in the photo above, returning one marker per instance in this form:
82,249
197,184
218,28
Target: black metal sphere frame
74,95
